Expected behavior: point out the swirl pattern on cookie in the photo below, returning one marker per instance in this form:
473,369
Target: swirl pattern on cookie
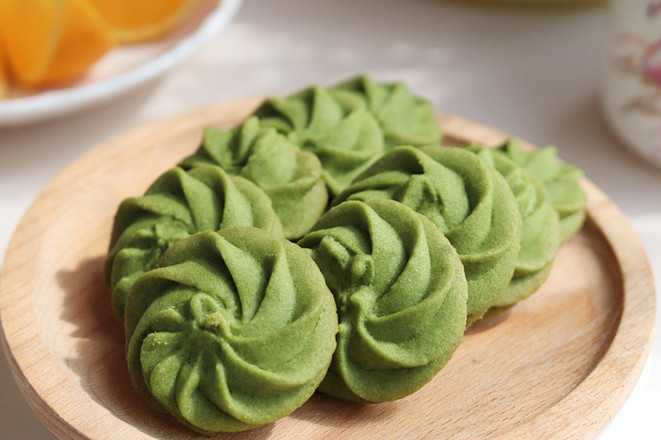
540,232
234,329
290,177
401,295
561,180
404,118
468,201
346,139
178,204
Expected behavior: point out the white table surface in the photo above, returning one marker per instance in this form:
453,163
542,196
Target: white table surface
531,73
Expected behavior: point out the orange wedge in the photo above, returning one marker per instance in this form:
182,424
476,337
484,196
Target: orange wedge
135,21
30,32
85,38
4,80
49,41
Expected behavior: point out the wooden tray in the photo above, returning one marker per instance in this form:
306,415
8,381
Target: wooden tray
558,366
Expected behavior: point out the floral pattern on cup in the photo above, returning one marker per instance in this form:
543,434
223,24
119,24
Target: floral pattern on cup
633,77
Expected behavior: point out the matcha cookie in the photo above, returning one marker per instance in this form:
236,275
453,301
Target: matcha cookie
233,330
400,292
540,233
178,204
290,177
346,140
466,199
561,180
404,118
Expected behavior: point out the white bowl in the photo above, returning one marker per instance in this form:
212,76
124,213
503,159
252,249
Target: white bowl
123,69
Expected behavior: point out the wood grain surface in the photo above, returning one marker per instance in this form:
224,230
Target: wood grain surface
559,365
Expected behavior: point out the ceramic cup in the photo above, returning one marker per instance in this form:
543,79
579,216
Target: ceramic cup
632,83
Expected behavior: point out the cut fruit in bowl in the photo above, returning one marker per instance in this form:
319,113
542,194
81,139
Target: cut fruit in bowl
122,69
29,31
84,38
135,21
48,42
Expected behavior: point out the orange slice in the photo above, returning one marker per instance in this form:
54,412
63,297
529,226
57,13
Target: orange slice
135,21
85,38
30,32
49,41
4,80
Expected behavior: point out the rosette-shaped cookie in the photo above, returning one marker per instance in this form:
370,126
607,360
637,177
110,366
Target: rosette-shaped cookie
561,180
178,204
468,200
290,177
405,119
233,329
400,292
346,139
540,232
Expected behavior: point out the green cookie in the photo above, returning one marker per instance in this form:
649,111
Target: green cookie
404,118
290,177
233,330
178,204
400,292
561,180
346,140
468,201
540,233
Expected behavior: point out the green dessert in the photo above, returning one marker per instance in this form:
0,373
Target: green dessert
178,204
349,125
230,326
400,292
346,140
290,177
469,201
404,118
540,232
561,180
233,329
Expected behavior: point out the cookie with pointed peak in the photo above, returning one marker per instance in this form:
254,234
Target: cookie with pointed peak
234,329
292,178
179,203
404,118
540,232
561,180
400,292
469,201
346,139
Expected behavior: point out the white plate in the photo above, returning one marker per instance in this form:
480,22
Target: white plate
122,69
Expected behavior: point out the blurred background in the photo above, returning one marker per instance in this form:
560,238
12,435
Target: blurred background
536,73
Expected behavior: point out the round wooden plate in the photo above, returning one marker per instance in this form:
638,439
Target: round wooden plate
558,365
